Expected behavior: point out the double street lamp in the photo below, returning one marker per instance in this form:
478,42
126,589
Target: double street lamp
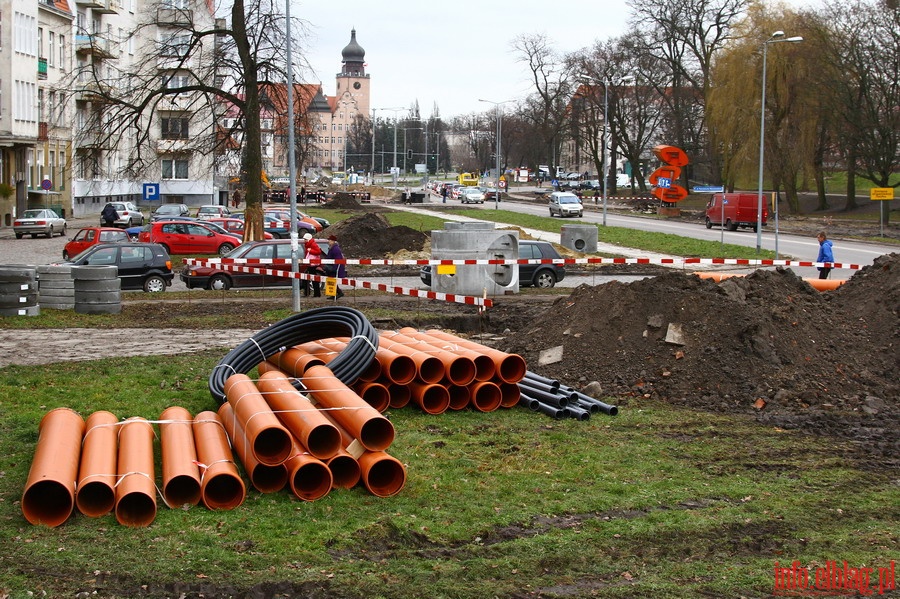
499,108
776,38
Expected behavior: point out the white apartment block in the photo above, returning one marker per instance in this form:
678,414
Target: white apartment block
62,143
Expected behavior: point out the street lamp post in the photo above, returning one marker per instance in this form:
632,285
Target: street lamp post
374,110
777,37
606,139
498,106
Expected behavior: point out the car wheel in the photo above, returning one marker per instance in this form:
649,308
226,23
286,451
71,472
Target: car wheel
154,284
551,214
225,248
545,279
63,232
219,283
65,255
51,232
18,236
708,224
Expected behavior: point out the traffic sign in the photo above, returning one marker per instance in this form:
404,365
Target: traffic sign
881,193
502,183
708,189
675,193
151,192
671,155
664,182
46,185
667,172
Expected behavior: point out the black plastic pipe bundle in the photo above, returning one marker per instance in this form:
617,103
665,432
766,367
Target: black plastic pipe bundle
312,325
550,397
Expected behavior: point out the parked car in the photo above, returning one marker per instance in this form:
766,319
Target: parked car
188,237
144,266
530,275
209,277
591,184
733,210
565,203
285,215
212,211
166,211
129,215
280,228
234,226
39,221
89,236
471,195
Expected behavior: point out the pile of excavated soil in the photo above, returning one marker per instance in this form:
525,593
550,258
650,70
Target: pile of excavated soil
826,362
370,235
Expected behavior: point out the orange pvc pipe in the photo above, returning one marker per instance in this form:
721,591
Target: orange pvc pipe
180,474
221,487
309,477
374,394
486,396
818,284
344,466
49,495
509,395
136,487
295,361
96,490
400,395
266,479
429,369
307,424
459,396
383,475
371,374
484,366
459,370
269,440
432,398
511,368
361,420
319,350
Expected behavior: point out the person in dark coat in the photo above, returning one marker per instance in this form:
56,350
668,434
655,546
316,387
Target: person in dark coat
336,270
109,215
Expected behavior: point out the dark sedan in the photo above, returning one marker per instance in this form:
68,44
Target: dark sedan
530,275
144,266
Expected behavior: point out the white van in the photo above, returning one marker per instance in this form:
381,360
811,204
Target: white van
565,203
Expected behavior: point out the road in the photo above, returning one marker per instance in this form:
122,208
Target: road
789,246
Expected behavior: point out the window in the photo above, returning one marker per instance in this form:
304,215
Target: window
51,50
62,52
174,168
175,81
24,39
175,44
174,127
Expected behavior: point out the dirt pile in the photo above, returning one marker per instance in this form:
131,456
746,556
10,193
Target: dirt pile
824,361
370,235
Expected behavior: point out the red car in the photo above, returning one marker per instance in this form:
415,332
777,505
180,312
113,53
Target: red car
188,237
89,236
236,226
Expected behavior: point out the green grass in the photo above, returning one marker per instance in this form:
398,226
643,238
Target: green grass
659,501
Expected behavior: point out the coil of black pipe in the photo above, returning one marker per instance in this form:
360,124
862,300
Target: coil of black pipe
311,325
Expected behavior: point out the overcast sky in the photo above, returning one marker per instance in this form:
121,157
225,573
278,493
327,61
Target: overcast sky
446,53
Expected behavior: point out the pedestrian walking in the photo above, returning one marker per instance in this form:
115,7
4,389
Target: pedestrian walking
444,194
825,255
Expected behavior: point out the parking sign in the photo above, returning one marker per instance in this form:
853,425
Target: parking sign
151,192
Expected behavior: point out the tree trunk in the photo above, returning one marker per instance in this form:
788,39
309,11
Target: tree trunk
851,177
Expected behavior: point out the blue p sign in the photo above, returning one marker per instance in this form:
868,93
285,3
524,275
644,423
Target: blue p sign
151,192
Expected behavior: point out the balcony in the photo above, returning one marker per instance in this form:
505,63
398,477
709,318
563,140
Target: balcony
42,69
95,45
43,131
101,6
91,91
174,16
172,146
92,140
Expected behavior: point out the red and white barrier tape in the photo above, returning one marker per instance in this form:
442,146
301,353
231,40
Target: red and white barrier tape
500,261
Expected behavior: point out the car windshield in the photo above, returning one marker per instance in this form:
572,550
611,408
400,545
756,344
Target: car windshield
568,200
169,209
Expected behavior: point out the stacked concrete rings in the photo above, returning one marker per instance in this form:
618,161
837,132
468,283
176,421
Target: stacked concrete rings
18,290
97,289
57,288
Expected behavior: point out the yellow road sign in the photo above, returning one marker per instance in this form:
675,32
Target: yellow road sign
881,193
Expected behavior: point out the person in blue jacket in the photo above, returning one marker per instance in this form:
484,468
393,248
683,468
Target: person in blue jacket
825,255
336,270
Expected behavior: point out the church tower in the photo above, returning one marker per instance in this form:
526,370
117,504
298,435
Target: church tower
352,83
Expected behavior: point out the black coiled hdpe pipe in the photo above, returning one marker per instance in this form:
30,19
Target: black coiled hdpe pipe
318,323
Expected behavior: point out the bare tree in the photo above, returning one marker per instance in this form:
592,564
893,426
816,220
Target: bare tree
188,62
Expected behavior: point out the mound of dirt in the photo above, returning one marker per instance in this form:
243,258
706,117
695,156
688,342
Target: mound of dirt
343,201
766,344
370,235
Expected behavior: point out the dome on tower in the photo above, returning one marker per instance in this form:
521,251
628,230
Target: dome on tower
353,52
